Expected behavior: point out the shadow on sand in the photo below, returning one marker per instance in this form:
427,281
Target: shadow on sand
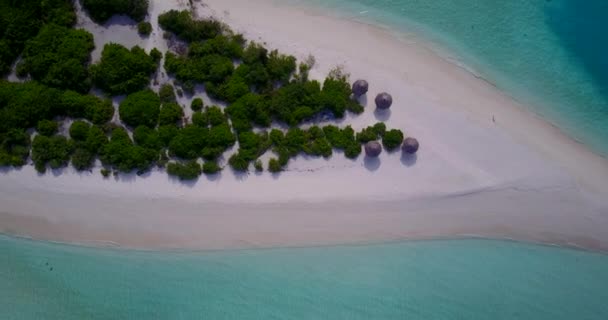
371,164
382,115
409,160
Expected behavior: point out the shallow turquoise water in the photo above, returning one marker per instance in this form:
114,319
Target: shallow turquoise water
457,279
549,54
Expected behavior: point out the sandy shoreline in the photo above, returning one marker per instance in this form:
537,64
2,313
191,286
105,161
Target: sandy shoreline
518,178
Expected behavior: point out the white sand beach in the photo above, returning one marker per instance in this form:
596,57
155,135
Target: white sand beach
516,177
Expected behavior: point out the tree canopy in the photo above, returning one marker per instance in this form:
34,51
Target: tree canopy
140,108
21,21
123,71
101,11
58,57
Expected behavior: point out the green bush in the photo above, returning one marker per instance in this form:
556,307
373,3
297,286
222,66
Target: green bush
140,108
197,104
47,127
14,148
105,172
101,11
211,168
166,133
123,71
156,55
90,107
82,159
22,20
147,138
96,139
380,129
59,57
258,165
371,133
123,155
276,137
144,28
187,171
343,139
167,93
238,162
219,138
185,27
249,110
170,113
54,151
79,130
392,139
188,142
274,166
215,116
227,46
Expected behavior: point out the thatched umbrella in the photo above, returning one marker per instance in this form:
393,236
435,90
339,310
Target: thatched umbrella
384,101
360,88
410,145
373,149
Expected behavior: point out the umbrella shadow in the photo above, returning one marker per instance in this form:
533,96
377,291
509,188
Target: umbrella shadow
382,115
409,160
362,100
371,164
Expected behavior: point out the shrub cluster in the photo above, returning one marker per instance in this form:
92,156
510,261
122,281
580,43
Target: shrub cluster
189,170
184,26
21,21
260,85
58,57
124,71
144,28
101,11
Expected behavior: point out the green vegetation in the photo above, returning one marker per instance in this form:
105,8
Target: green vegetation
121,154
79,130
144,28
123,71
14,147
211,168
392,139
58,57
167,93
372,133
274,166
185,27
186,171
47,127
258,165
170,113
259,88
262,87
197,104
22,20
101,11
140,108
54,151
343,139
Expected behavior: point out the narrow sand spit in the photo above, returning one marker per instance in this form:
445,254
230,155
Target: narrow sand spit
514,177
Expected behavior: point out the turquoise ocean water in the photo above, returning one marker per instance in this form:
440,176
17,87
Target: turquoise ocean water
548,54
456,279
